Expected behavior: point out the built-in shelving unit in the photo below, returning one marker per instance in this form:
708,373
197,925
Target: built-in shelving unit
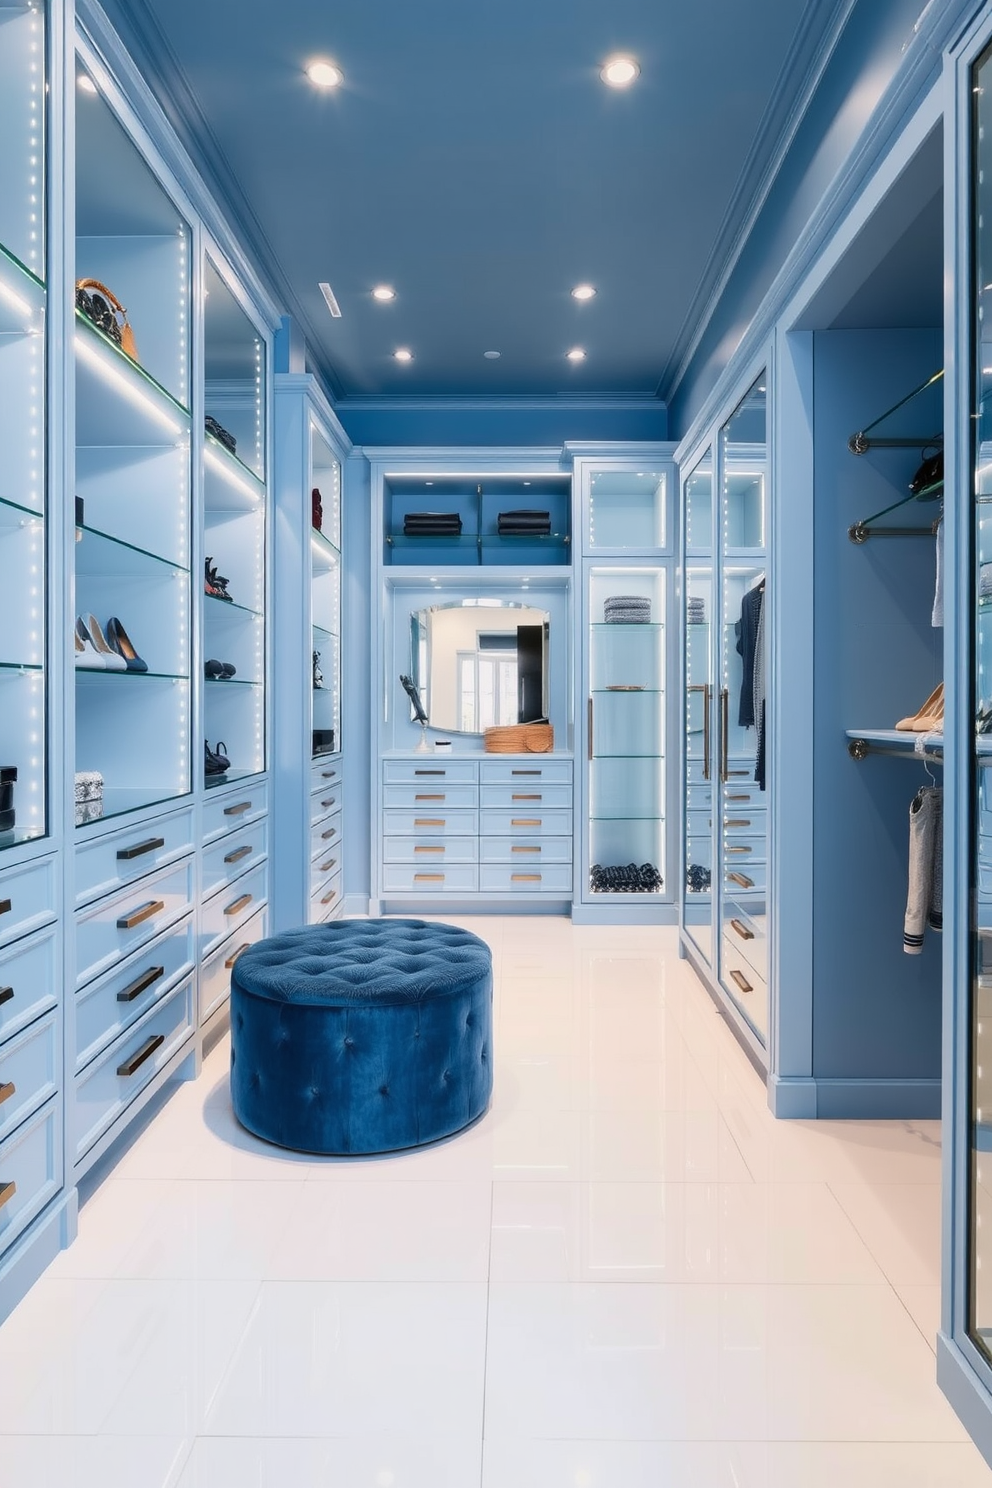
471,508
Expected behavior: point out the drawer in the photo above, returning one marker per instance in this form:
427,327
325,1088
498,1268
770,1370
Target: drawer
694,771
743,821
526,796
324,802
30,1069
740,774
513,770
326,771
423,823
27,982
519,823
698,823
108,1006
743,983
432,795
323,867
747,935
119,925
521,854
456,878
234,855
30,1172
431,773
325,835
416,850
738,793
28,899
699,798
108,863
215,973
108,1086
740,848
746,878
233,809
326,902
509,878
229,909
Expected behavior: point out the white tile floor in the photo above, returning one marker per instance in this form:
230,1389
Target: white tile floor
628,1275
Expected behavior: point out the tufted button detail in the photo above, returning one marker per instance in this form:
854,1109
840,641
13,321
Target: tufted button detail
383,1089
446,1077
349,1043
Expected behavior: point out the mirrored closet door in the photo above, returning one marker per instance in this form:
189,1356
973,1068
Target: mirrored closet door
700,739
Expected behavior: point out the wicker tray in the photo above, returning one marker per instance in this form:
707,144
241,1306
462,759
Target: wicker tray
520,738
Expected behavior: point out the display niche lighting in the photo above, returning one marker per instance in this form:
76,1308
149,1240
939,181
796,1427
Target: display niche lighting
324,74
619,72
403,354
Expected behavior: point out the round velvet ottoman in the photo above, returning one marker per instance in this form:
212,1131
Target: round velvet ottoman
361,1036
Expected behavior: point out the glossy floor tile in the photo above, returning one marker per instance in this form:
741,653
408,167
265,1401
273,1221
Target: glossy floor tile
625,1274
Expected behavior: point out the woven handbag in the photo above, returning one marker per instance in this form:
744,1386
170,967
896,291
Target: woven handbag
100,305
520,738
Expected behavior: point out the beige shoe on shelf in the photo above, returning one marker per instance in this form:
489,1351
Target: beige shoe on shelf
930,718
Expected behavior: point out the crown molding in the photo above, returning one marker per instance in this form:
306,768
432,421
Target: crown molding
519,402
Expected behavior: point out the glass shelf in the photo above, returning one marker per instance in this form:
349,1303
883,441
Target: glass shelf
216,606
230,484
119,800
22,297
332,635
621,689
604,625
230,682
18,837
110,557
445,539
98,672
138,410
13,515
627,816
324,555
21,666
230,777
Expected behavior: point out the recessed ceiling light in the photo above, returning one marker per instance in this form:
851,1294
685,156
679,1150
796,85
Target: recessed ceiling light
576,354
384,292
583,292
403,354
324,74
85,83
619,72
491,356
329,297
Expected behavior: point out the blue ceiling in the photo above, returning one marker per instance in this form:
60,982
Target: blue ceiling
474,160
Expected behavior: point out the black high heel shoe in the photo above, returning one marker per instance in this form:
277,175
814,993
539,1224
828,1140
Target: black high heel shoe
119,640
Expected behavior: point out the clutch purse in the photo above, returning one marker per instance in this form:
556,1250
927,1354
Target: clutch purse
101,306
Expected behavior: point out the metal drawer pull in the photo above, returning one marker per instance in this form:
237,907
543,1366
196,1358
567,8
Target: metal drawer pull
153,907
428,878
235,954
127,853
740,848
4,906
525,849
7,1192
742,930
6,1091
328,774
737,773
742,981
148,979
330,801
145,1052
742,879
238,854
238,905
241,807
526,772
439,797
326,867
430,772
328,897
428,849
525,821
525,878
729,822
428,821
742,796
331,832
536,797
6,995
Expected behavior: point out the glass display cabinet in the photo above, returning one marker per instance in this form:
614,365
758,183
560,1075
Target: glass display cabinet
23,630
325,594
699,743
133,435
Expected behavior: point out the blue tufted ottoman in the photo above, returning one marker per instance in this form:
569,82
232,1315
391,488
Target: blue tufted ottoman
361,1035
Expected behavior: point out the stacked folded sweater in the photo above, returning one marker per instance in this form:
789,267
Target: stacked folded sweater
696,610
627,609
89,796
524,523
985,581
432,524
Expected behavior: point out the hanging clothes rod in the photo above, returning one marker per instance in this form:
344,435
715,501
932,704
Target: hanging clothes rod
860,532
861,442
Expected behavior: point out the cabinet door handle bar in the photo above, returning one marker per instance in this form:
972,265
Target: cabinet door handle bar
153,907
428,821
7,1192
525,821
6,1091
145,1052
742,879
237,810
239,853
238,905
127,853
235,954
141,984
741,980
742,930
328,897
5,906
6,995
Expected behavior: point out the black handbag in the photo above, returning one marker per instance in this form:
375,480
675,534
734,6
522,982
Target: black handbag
215,761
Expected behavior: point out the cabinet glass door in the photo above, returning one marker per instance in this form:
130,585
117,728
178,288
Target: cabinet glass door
741,812
700,737
325,612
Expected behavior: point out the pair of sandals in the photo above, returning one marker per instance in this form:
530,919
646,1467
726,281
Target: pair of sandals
216,761
930,718
215,584
218,671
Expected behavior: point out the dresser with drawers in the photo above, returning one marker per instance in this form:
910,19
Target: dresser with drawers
326,816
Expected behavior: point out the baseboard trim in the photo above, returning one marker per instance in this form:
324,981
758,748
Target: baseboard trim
36,1249
854,1100
661,915
966,1393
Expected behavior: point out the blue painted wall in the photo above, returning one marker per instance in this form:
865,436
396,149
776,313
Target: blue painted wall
876,1011
509,423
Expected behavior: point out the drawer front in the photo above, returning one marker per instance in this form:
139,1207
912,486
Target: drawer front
698,823
232,907
743,822
108,863
741,980
27,982
524,854
743,848
523,771
324,866
325,835
745,878
740,775
747,936
325,802
29,1073
548,878
426,853
430,824
695,773
326,902
27,899
455,878
738,793
699,798
234,855
526,796
430,774
30,1172
215,973
124,922
526,824
110,1084
326,771
232,810
110,1005
429,795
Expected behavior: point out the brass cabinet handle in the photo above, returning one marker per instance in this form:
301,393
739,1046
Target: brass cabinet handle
525,821
732,823
428,849
739,847
237,810
589,727
439,797
525,878
741,980
6,995
330,801
326,867
6,1091
235,954
145,1052
5,906
535,797
153,907
328,897
744,796
742,879
428,821
238,905
238,854
742,930
535,849
725,734
7,1192
127,853
526,772
430,772
326,836
731,774
141,984
428,878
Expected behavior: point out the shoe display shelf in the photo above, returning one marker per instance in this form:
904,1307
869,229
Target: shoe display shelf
477,537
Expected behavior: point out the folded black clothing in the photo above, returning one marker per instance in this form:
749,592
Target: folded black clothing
432,524
520,529
524,514
520,524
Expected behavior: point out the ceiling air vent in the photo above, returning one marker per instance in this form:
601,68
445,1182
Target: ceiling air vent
332,303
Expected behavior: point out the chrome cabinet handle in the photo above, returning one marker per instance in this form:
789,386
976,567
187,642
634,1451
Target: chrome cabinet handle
127,853
739,848
329,802
238,905
328,774
703,687
741,981
742,930
145,1052
235,954
326,836
153,907
238,854
147,979
237,810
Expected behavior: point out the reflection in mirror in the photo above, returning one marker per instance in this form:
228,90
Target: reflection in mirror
480,662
